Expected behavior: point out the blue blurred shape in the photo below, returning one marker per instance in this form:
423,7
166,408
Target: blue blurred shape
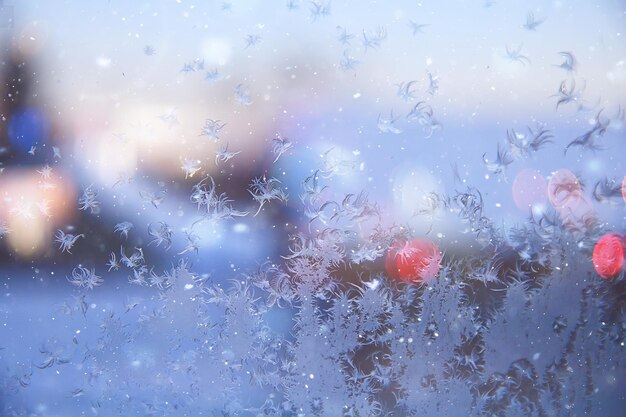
27,127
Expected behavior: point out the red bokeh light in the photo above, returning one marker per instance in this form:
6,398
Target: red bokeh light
563,188
608,255
417,260
568,199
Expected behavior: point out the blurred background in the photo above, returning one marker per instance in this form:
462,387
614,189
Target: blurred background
114,96
111,111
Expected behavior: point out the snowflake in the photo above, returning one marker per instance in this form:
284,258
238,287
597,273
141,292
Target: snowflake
66,240
123,228
264,190
280,145
212,129
88,200
160,232
190,167
85,278
225,155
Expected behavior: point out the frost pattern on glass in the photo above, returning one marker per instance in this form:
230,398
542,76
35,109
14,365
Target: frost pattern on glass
313,209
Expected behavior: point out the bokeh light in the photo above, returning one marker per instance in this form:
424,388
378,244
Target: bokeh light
563,188
33,207
608,255
416,260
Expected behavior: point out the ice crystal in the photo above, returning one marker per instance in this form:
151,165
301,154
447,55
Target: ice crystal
85,278
66,240
264,190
